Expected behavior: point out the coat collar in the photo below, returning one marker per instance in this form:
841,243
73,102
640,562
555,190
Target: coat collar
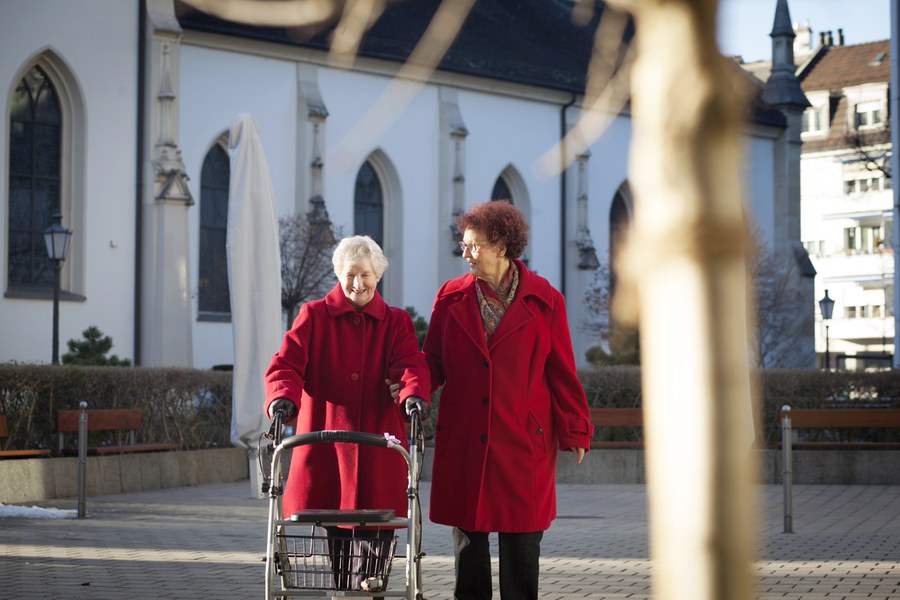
530,284
466,311
337,304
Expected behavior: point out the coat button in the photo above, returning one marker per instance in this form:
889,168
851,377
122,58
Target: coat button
484,401
357,320
354,376
540,431
483,438
486,363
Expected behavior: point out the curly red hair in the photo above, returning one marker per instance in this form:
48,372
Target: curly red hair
500,222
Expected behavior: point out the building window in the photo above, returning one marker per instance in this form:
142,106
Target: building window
815,247
35,126
864,240
214,301
869,114
368,205
619,225
872,238
368,208
501,191
867,182
850,240
812,120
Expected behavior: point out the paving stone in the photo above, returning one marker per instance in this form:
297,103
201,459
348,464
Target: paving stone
209,541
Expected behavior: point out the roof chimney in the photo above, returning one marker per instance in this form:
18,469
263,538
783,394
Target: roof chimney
821,38
840,39
804,40
828,39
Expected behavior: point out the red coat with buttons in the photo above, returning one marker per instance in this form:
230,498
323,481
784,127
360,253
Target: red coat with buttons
332,365
506,408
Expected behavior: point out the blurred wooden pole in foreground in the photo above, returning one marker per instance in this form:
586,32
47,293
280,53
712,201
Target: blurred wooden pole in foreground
684,280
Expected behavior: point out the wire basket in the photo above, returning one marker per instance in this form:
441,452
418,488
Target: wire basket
334,559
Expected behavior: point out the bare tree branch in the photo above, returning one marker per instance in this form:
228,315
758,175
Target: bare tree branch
306,269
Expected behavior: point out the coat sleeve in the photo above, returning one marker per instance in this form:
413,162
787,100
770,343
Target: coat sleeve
407,364
434,343
571,413
285,376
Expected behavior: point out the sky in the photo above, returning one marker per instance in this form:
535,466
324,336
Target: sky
744,25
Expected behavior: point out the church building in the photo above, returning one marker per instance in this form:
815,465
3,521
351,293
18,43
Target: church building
117,115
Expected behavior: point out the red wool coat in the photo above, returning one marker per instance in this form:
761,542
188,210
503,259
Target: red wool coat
332,364
505,409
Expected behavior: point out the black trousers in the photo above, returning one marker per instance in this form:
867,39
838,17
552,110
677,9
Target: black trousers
356,554
519,565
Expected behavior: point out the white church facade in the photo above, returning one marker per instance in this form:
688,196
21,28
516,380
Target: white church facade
119,118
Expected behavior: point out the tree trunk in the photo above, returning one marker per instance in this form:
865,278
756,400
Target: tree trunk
685,280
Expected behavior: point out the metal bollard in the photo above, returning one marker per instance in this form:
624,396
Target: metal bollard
82,458
787,468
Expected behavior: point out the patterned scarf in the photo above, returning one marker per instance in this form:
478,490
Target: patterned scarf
493,304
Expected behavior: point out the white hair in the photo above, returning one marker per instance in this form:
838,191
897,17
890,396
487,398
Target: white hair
353,249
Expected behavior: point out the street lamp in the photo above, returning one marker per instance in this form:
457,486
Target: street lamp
826,305
57,239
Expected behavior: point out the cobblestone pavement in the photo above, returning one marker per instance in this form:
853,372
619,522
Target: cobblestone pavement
209,542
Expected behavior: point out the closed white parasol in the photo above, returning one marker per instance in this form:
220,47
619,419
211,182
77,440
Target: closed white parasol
254,274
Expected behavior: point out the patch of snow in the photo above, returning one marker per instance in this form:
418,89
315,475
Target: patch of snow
35,512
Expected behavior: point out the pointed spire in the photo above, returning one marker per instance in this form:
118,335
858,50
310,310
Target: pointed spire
782,24
783,86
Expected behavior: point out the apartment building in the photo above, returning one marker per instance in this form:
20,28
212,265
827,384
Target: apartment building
847,200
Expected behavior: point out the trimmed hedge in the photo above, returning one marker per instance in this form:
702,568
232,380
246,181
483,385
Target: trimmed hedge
187,406
193,407
799,388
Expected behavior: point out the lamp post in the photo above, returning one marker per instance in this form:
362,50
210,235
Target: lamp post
57,239
826,305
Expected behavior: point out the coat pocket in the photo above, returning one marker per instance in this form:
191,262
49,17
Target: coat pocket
537,433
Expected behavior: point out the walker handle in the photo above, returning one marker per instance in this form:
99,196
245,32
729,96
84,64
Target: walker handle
331,435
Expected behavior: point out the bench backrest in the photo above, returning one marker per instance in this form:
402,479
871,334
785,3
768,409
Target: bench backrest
617,417
4,427
844,418
103,419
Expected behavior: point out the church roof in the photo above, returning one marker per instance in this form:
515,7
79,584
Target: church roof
525,41
532,42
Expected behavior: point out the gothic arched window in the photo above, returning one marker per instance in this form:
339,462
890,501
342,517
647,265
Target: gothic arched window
501,191
368,205
619,221
35,142
214,301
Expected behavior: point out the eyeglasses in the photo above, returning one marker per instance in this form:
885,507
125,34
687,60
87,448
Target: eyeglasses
472,247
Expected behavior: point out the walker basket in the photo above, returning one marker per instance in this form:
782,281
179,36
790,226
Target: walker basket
313,560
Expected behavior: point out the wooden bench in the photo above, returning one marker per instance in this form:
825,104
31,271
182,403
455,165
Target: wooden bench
842,419
127,420
617,417
26,453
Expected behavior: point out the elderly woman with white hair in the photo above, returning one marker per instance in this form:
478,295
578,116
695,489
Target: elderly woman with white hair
332,372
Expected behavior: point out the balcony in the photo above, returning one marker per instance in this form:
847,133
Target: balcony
855,266
870,333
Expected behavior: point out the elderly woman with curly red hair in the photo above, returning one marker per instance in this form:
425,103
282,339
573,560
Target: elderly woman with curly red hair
498,342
